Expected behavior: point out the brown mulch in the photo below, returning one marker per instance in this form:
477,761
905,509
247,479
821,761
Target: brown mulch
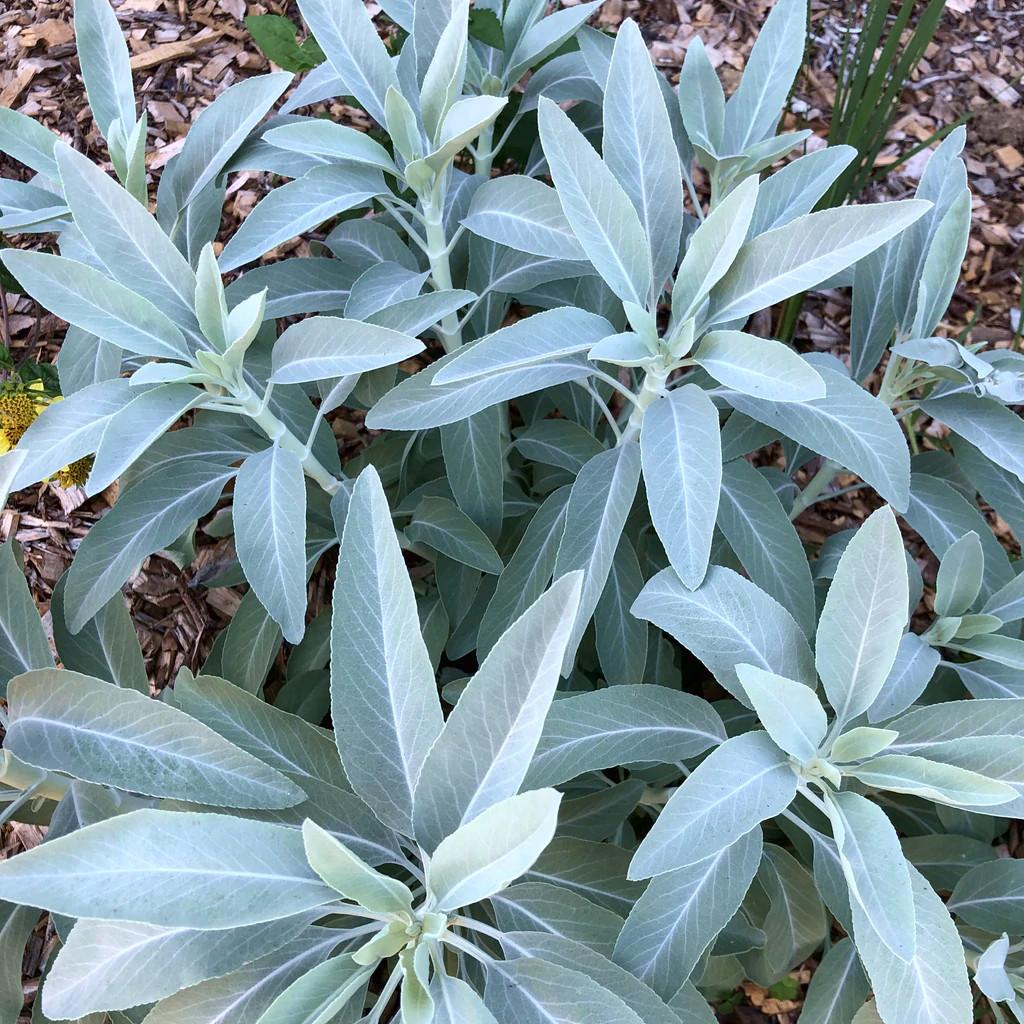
185,53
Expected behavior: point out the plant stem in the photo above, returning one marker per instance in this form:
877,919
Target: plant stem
439,256
814,489
484,151
278,432
652,389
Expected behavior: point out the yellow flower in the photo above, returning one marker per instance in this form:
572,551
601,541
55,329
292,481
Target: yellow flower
76,474
17,412
19,408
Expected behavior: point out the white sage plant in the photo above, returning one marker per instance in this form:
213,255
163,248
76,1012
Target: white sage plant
579,769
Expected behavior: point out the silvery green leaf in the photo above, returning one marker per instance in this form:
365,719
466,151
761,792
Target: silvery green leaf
849,426
556,911
862,621
930,987
482,857
353,48
755,107
332,140
940,783
759,366
680,445
103,54
990,974
532,990
246,993
319,995
942,515
860,742
417,403
485,748
297,285
596,206
986,679
944,180
725,621
991,896
621,638
577,956
10,462
134,427
600,814
596,48
639,150
342,870
28,142
211,303
993,428
328,346
795,923
565,77
83,360
403,126
599,503
545,36
941,269
282,740
701,99
415,315
305,203
366,241
621,725
126,239
960,576
789,711
873,316
562,443
115,965
464,122
761,535
386,711
250,644
219,871
497,271
1007,603
16,927
523,214
690,1006
440,524
146,518
527,572
221,129
23,644
738,785
269,516
795,189
526,344
382,286
456,1003
838,987
92,730
593,869
428,23
681,912
805,252
626,349
474,460
445,73
875,869
911,672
